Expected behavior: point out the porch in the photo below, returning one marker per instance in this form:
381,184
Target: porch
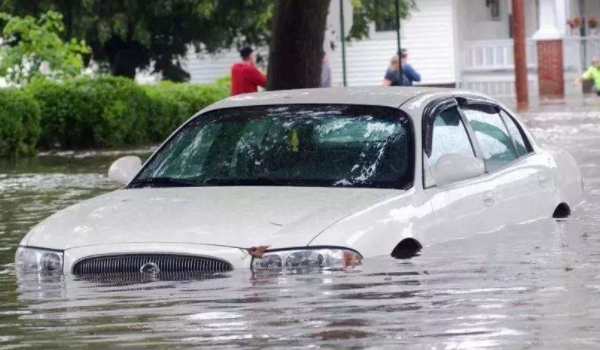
485,53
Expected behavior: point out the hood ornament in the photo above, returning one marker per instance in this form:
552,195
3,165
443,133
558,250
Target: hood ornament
150,269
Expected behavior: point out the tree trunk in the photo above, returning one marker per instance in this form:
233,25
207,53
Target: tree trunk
295,53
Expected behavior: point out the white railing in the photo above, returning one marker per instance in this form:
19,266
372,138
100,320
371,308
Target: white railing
572,53
578,52
487,66
495,55
488,55
590,48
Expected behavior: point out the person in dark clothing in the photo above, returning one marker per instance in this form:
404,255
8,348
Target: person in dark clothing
410,74
392,75
245,77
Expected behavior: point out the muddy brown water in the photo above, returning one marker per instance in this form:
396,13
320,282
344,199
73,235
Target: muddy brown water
530,286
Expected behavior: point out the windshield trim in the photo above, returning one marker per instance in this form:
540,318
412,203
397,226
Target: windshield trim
410,128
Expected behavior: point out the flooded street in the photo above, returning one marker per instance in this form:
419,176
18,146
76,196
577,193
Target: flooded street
531,286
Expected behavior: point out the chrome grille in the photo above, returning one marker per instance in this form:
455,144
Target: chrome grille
160,263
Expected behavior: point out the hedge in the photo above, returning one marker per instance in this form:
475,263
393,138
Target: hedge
96,112
172,104
19,123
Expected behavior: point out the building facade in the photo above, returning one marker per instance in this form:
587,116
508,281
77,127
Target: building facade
464,43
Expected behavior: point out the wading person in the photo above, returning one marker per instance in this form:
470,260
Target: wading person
593,73
245,77
392,75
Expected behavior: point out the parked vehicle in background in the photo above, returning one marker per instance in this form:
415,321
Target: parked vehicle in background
316,178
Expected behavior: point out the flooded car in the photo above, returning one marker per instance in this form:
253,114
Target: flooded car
310,179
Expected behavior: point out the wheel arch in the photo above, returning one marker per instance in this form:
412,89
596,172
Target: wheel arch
407,248
562,210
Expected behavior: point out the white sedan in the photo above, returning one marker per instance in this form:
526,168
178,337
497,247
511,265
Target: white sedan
311,179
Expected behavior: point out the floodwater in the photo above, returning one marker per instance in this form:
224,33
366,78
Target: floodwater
532,286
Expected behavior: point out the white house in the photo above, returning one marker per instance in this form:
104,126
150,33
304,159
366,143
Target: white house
463,43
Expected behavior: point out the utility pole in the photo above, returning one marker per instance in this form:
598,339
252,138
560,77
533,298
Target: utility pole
584,61
398,39
520,55
343,36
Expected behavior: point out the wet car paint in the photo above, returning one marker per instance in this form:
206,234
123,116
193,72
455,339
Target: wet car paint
534,285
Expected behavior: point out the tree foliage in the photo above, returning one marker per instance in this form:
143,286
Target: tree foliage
33,46
128,35
379,11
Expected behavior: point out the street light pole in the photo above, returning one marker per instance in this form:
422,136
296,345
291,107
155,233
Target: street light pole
520,54
343,36
398,40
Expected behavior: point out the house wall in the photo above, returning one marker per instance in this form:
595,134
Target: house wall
592,7
476,23
428,35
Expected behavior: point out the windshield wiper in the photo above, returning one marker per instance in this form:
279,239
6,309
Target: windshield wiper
163,182
243,182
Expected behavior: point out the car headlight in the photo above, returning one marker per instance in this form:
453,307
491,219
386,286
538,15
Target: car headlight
317,258
38,260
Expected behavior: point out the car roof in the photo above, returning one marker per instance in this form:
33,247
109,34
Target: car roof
374,96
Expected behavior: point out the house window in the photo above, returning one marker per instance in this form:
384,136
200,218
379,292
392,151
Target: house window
494,7
387,24
385,15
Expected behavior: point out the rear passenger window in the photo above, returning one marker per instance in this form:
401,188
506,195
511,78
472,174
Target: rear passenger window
449,136
493,137
517,135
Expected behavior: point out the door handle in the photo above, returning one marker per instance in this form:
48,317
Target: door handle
488,198
543,180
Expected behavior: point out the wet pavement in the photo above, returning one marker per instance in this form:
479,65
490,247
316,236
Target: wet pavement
530,286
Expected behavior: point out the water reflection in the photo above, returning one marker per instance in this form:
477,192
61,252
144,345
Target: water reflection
528,286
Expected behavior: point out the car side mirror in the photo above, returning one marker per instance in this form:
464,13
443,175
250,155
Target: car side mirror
124,169
456,167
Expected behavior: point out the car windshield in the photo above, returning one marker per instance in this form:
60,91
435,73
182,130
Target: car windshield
300,145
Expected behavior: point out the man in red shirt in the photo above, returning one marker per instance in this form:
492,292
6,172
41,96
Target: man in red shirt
245,77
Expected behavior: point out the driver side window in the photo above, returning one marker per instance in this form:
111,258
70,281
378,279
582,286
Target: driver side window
449,136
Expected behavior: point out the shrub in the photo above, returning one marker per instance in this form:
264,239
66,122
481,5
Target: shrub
96,112
19,123
172,104
86,112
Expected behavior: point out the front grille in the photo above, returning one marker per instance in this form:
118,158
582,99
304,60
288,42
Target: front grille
149,264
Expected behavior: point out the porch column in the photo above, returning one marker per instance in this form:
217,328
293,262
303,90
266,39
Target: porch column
549,38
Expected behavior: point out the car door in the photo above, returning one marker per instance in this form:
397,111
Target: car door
541,186
520,178
464,207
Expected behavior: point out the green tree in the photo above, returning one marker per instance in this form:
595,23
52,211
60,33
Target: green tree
127,35
34,47
379,11
295,54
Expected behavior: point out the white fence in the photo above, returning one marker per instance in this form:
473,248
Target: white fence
487,66
589,48
493,55
489,55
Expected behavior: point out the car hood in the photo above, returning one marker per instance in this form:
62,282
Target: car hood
226,216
